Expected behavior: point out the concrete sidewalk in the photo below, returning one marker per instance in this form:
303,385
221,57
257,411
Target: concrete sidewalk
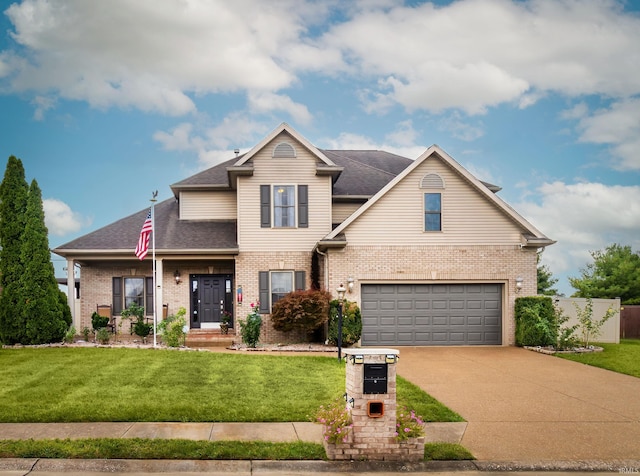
274,432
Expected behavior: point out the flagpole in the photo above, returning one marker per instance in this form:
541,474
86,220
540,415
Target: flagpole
153,245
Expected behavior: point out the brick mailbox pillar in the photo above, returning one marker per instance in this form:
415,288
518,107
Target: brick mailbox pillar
371,392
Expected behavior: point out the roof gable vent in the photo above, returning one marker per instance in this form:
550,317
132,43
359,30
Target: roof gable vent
284,150
432,181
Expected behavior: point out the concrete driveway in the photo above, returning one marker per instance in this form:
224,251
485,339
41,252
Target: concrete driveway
526,406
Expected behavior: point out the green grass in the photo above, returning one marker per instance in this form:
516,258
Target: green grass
103,384
623,358
138,448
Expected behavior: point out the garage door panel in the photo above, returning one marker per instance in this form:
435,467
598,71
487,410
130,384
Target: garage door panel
405,321
431,314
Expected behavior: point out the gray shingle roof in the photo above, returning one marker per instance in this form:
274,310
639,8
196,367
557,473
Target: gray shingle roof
171,233
365,173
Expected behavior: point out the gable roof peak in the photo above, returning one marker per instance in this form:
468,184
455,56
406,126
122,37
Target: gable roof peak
284,127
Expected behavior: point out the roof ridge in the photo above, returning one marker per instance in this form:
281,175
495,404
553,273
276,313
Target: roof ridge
363,163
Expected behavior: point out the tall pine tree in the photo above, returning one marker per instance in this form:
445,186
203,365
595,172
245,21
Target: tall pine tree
14,191
39,301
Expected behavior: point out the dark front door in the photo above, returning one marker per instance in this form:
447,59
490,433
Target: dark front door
210,296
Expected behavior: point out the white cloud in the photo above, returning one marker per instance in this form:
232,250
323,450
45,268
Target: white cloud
474,54
42,104
265,102
469,55
617,126
150,55
583,217
60,219
213,144
461,128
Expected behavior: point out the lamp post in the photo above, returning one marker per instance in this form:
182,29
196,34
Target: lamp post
341,290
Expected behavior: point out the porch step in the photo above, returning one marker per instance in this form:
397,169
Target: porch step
209,338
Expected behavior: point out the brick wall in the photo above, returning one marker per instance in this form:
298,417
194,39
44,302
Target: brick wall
248,265
435,264
366,264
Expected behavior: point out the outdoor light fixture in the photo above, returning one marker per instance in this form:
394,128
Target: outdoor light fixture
518,284
357,359
177,276
340,290
391,358
350,284
352,402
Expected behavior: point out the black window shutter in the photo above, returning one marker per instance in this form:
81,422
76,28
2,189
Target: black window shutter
263,281
265,206
116,295
301,279
148,289
303,206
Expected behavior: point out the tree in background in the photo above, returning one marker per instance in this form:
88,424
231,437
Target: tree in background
615,272
545,279
39,293
14,191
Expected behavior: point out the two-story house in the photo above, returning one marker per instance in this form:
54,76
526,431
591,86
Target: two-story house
431,254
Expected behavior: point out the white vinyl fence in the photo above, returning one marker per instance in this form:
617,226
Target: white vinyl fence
609,332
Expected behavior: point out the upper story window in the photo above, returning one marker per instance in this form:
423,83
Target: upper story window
432,212
432,202
284,206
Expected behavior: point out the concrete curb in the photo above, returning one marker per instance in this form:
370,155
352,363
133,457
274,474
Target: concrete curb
36,465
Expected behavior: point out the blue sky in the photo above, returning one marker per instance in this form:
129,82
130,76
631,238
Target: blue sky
105,102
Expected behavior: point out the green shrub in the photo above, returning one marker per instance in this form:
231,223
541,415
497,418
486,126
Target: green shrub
70,335
85,333
535,321
103,336
304,310
172,328
98,321
250,327
351,323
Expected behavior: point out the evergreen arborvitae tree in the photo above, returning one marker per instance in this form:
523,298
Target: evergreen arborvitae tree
39,293
14,191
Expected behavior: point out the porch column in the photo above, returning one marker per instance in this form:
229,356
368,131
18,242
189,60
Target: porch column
159,288
71,293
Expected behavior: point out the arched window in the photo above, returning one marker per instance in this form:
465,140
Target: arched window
432,201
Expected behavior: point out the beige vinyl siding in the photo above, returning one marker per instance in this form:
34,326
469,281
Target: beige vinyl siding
267,170
208,205
467,216
341,211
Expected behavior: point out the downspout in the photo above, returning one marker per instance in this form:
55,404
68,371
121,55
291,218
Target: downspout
326,285
326,266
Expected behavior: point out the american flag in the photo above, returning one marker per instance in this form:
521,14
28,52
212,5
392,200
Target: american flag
143,242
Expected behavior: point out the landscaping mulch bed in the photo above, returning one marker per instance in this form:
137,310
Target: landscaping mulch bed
551,350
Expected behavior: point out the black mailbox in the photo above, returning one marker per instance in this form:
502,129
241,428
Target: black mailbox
375,378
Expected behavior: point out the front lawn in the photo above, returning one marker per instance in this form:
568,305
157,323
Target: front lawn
623,358
104,384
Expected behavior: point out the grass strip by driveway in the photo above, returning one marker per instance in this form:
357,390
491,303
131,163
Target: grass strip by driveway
58,384
137,448
623,358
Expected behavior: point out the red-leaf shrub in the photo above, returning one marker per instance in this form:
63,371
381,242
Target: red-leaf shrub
305,310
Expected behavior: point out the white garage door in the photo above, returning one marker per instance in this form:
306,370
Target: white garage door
431,314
